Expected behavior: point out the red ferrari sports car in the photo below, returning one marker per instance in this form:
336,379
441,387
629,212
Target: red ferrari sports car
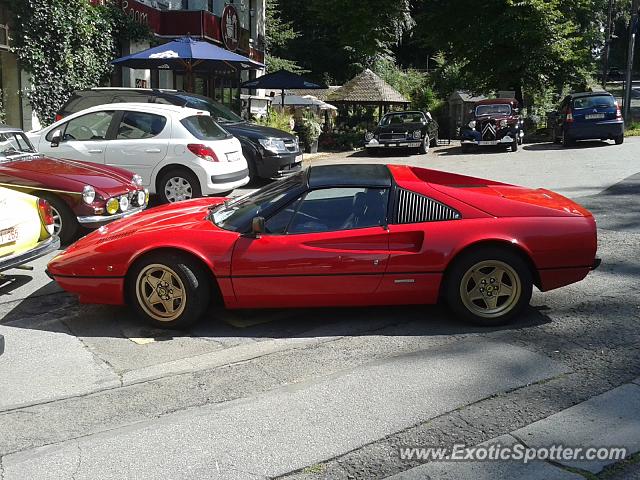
339,235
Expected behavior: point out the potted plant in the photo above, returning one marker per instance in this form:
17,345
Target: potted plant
309,131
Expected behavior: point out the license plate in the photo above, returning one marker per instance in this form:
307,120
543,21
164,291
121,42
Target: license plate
8,235
414,145
233,156
594,116
487,142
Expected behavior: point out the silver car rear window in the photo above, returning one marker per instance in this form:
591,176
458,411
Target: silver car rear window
203,127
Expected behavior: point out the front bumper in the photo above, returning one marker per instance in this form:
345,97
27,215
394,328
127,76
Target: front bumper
408,143
46,246
96,221
272,166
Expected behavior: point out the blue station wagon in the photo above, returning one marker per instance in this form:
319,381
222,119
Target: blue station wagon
588,116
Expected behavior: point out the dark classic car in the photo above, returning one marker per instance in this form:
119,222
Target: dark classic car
403,130
494,122
270,153
80,193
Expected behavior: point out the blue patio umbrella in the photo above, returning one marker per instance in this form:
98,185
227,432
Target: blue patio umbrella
188,54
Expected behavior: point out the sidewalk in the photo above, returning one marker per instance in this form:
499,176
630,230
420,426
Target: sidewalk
608,420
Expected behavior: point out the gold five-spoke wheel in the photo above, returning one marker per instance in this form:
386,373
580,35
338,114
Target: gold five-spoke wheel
490,289
161,292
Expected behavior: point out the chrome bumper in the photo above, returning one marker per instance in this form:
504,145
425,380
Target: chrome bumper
46,246
98,220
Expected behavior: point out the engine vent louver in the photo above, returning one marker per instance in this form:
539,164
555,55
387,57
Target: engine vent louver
415,208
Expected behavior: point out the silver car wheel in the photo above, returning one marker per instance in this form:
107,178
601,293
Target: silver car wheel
177,189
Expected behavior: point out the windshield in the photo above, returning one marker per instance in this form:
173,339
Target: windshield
219,112
498,109
239,212
15,143
400,118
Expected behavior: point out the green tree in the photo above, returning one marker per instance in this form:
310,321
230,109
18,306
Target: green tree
278,34
339,38
515,44
413,84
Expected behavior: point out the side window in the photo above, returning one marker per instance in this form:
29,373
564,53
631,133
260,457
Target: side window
334,209
92,126
412,207
139,125
278,223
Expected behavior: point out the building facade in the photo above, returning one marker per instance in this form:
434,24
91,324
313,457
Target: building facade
237,25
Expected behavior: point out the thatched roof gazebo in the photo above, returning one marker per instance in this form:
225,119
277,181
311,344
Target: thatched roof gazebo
367,88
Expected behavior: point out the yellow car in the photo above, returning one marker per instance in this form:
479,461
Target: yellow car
26,229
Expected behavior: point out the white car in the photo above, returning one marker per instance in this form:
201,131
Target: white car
179,152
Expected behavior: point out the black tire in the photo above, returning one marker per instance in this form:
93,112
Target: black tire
619,139
514,145
66,222
457,281
194,281
251,164
466,148
434,142
192,191
567,141
424,146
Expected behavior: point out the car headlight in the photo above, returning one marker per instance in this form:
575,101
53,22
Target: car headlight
417,134
112,205
275,145
368,136
88,194
142,198
124,203
472,124
503,123
137,180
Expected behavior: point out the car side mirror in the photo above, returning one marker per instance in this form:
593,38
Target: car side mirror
56,138
257,226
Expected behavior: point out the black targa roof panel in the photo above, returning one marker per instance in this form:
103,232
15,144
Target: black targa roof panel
349,175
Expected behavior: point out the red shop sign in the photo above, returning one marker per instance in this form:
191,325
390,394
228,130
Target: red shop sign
230,26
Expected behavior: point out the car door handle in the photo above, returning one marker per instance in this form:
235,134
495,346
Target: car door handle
152,150
95,150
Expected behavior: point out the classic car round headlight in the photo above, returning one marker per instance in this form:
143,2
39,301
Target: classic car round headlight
368,136
124,203
137,180
472,124
142,198
112,206
88,194
503,123
417,134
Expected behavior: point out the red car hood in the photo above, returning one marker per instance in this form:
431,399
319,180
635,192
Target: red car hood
501,199
176,217
107,179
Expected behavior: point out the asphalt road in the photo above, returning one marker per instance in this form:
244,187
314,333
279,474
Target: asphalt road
90,392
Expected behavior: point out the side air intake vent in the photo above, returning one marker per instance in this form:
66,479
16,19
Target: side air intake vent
415,208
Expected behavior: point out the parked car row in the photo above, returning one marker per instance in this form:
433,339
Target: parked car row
497,122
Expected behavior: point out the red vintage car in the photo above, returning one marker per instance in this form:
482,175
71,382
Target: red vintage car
80,193
339,235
